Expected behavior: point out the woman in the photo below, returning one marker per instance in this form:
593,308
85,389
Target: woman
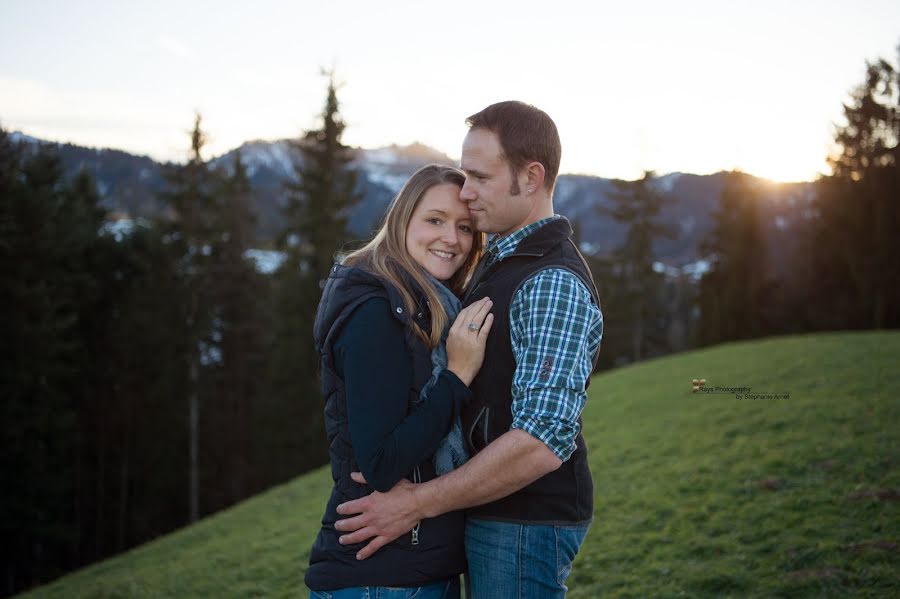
392,392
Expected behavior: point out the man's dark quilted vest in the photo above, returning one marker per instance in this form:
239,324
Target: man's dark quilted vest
566,494
439,553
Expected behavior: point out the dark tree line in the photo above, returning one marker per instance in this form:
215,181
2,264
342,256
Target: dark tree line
151,378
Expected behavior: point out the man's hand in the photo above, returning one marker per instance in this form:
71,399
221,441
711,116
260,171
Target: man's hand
506,465
384,516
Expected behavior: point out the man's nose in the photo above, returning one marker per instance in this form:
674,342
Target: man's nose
467,194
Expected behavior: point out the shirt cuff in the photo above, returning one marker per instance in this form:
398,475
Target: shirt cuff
557,436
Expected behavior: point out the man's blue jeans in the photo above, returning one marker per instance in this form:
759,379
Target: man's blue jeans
448,589
520,561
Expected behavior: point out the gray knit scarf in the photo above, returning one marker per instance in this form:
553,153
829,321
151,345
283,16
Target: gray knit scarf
451,453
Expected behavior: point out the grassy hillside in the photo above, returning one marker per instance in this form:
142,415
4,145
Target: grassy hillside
698,494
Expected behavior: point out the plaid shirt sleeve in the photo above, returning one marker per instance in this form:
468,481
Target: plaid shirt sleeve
555,328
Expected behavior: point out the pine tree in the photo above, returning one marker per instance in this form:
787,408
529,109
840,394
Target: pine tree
318,198
49,229
239,301
323,190
635,300
138,420
732,291
857,259
193,233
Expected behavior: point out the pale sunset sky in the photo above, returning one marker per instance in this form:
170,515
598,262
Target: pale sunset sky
691,86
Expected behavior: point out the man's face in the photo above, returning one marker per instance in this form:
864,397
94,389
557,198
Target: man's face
488,184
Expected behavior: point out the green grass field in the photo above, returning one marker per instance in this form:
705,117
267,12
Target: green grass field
697,494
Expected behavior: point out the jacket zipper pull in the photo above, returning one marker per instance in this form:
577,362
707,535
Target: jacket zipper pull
417,478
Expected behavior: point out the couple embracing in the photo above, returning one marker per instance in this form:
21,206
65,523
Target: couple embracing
456,348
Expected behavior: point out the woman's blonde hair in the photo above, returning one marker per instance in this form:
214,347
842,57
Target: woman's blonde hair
386,255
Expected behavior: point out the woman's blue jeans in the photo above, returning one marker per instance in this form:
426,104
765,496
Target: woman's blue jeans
525,561
448,589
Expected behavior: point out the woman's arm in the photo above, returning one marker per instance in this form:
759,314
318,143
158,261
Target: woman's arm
388,441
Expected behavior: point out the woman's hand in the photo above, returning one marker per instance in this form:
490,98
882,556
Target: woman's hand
465,342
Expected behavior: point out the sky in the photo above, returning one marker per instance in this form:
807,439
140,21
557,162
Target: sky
690,86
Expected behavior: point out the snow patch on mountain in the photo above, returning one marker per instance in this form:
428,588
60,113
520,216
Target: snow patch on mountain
666,183
275,156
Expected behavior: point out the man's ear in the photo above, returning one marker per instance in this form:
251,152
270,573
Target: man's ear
534,171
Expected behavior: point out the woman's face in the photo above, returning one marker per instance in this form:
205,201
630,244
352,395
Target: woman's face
439,236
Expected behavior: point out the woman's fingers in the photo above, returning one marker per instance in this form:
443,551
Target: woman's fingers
466,312
482,311
465,350
474,313
486,327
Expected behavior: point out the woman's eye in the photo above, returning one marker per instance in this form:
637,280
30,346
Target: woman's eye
465,228
434,221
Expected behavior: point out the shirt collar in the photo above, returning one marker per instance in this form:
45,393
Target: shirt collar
501,247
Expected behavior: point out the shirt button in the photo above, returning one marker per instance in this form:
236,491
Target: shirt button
399,310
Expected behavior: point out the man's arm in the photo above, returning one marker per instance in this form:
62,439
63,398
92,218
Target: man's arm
506,465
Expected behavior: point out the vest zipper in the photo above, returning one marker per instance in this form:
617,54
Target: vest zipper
417,478
471,432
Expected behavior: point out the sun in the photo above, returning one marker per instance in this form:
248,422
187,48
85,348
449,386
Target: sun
785,172
785,163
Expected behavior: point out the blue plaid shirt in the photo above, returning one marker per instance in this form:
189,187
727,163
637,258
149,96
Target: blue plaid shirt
555,328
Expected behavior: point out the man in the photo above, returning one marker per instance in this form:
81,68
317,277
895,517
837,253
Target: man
527,486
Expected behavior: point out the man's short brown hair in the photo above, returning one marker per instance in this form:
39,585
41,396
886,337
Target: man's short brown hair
527,134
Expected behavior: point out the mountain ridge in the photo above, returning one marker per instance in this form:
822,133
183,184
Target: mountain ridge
130,186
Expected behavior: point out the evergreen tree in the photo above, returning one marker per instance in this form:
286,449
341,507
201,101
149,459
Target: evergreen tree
49,228
318,197
321,193
732,291
239,302
857,258
635,296
193,234
137,422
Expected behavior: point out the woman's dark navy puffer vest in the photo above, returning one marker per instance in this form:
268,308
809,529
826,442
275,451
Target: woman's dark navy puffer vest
439,552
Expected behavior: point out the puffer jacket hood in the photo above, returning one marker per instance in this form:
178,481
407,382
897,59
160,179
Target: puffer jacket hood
346,288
